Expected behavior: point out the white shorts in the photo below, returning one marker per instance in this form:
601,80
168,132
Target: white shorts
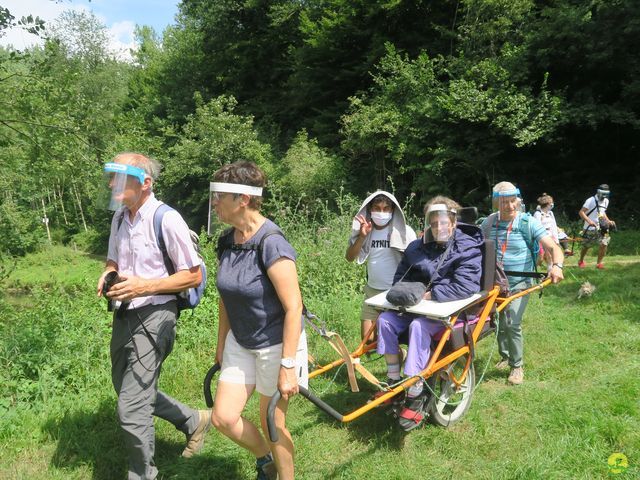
260,367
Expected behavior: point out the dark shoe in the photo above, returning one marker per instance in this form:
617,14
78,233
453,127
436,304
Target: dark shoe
413,413
266,468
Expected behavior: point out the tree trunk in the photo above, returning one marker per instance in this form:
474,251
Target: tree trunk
64,213
45,220
75,190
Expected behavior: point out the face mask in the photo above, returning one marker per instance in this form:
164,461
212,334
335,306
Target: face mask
381,218
551,207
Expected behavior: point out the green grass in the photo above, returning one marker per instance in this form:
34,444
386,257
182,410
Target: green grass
579,404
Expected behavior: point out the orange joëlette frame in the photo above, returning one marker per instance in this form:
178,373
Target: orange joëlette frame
492,303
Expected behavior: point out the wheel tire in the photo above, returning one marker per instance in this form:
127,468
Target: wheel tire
448,406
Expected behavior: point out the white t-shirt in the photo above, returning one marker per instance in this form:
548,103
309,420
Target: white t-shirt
596,210
382,261
548,221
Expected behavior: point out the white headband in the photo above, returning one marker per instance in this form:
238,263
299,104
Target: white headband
235,188
439,207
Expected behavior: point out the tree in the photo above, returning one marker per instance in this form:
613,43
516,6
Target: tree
213,136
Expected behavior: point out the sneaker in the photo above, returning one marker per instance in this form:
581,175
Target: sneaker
266,468
600,266
413,413
516,377
581,264
195,441
502,364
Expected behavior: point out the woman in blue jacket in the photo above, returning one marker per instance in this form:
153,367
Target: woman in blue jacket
448,260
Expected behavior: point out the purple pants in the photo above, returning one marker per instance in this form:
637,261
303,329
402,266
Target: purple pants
421,330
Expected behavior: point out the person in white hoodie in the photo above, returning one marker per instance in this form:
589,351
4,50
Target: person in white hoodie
379,235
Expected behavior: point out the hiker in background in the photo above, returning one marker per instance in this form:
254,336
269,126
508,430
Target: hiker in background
379,235
596,225
144,322
515,235
544,214
448,261
261,340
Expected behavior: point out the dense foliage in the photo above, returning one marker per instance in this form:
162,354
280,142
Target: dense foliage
419,97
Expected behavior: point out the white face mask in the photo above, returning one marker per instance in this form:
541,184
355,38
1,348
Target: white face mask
381,218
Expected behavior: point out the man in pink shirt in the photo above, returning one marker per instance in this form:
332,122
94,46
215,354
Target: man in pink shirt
144,299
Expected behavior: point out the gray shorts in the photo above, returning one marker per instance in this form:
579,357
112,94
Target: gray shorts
591,238
368,312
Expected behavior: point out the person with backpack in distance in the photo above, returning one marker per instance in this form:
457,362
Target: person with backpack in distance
596,225
379,235
143,291
261,342
544,214
517,237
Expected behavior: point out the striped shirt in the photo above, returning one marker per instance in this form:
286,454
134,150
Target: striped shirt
517,255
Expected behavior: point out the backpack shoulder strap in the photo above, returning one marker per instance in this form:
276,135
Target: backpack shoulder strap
224,242
157,228
527,230
120,219
598,207
261,247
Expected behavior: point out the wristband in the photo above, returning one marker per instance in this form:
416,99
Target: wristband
559,265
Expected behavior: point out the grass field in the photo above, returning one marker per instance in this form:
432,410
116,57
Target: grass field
580,402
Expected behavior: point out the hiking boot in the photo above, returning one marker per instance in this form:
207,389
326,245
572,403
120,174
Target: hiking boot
502,364
516,377
600,266
581,264
266,468
195,441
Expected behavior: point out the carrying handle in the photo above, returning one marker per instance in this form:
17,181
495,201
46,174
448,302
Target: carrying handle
208,398
271,424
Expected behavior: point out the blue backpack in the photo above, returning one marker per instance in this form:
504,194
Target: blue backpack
190,298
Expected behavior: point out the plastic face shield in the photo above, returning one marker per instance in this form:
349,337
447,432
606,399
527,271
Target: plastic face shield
439,223
117,175
218,193
507,202
602,194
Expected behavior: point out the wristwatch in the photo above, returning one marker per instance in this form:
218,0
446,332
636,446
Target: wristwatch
288,362
559,265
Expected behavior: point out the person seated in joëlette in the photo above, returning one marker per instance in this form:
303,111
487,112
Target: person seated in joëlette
448,260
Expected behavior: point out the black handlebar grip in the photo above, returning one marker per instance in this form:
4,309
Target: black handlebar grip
208,398
271,425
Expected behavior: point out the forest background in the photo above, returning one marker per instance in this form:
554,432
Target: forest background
417,97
